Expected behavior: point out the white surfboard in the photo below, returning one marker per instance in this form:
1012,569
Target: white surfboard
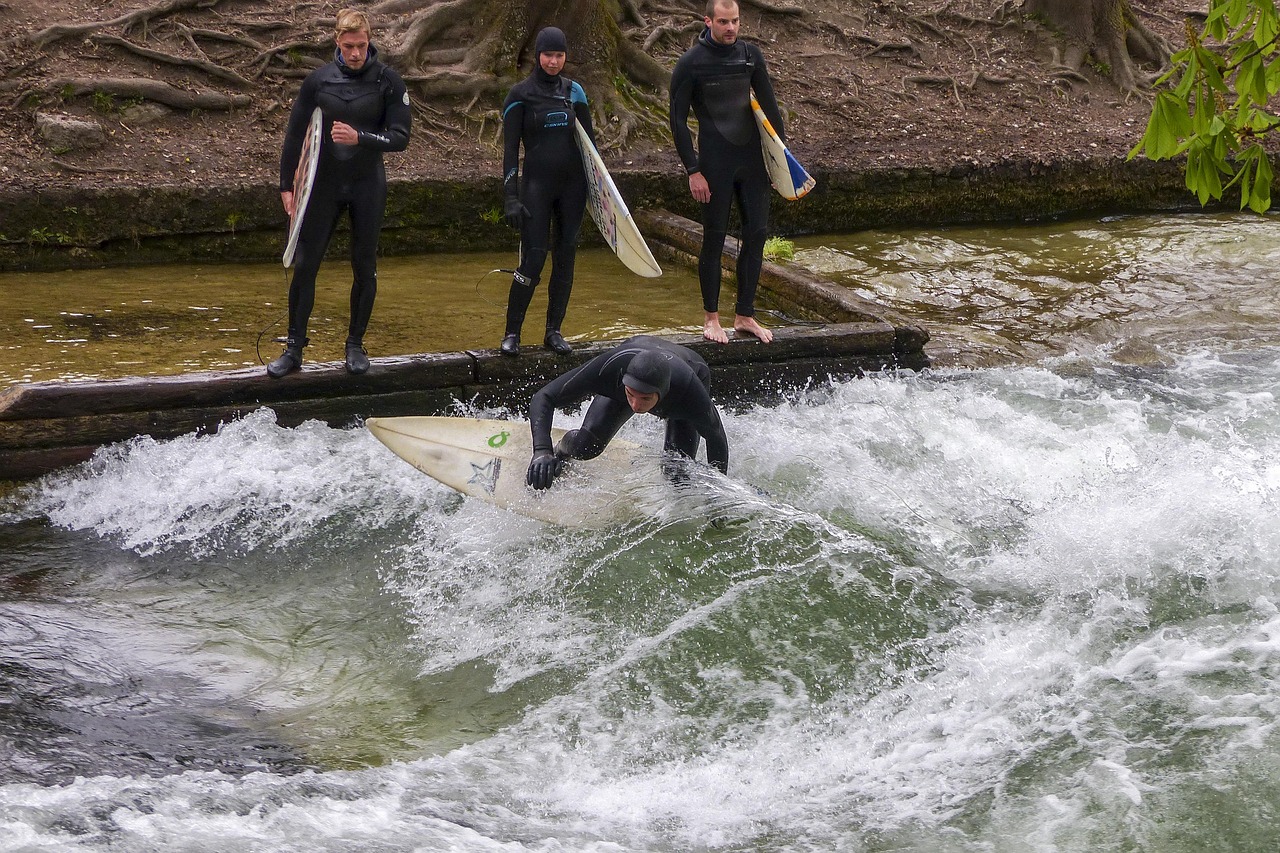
488,459
611,214
785,172
304,176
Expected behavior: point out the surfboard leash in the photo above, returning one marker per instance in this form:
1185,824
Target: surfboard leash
514,273
257,345
789,320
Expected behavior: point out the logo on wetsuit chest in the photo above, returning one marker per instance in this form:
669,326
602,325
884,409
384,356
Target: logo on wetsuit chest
558,118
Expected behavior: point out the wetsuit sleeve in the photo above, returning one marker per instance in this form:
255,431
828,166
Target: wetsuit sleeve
717,442
397,117
700,411
681,101
512,127
582,111
565,390
763,88
295,132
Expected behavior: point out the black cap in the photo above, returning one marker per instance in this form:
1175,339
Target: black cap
550,40
649,373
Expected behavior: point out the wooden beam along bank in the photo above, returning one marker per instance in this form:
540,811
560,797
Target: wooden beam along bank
45,426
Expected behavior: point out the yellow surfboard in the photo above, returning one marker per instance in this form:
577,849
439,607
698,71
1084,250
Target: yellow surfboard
785,172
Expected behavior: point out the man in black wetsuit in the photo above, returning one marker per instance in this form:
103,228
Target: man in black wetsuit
548,204
716,78
642,374
366,112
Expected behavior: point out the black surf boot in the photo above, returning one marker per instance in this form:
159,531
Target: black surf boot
555,342
357,359
289,360
510,345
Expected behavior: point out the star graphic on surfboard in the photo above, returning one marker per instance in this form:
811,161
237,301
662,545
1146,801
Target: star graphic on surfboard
486,476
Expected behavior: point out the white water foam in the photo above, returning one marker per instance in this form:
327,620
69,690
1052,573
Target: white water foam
1061,638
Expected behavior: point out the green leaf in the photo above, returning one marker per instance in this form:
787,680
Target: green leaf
1187,84
1251,80
1215,25
1212,66
1246,183
1203,174
1267,27
1170,122
1260,198
1273,76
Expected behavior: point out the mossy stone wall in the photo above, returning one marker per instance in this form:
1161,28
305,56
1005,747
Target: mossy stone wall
70,228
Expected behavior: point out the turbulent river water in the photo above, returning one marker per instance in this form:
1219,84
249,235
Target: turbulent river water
1022,600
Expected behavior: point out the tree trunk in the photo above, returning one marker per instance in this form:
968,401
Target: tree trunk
1106,31
480,48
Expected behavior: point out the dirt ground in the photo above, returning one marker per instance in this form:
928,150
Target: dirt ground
865,83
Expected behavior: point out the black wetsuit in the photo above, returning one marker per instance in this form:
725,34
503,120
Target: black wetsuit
686,407
717,81
540,111
375,102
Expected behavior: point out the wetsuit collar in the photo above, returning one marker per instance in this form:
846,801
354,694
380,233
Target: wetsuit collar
711,44
544,78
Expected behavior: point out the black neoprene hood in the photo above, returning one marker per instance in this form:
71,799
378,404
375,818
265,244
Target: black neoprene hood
550,40
649,373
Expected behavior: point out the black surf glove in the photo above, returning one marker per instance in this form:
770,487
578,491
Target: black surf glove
515,212
543,470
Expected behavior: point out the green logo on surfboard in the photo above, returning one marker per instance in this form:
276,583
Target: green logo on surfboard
499,439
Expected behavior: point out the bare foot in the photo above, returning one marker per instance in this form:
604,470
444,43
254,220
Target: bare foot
748,326
711,330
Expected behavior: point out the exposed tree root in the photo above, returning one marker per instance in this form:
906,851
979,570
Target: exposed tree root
678,33
424,26
143,87
454,83
948,81
88,170
765,6
210,68
878,46
1105,33
631,13
218,35
51,34
924,23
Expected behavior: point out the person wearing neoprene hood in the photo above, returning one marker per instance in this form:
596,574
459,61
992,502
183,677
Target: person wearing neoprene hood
641,375
716,78
366,112
547,203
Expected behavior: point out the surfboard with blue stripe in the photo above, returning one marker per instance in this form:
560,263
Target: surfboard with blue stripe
786,174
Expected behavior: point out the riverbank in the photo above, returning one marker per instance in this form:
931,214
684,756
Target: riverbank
907,116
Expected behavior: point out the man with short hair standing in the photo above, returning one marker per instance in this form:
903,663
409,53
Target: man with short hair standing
366,111
716,77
